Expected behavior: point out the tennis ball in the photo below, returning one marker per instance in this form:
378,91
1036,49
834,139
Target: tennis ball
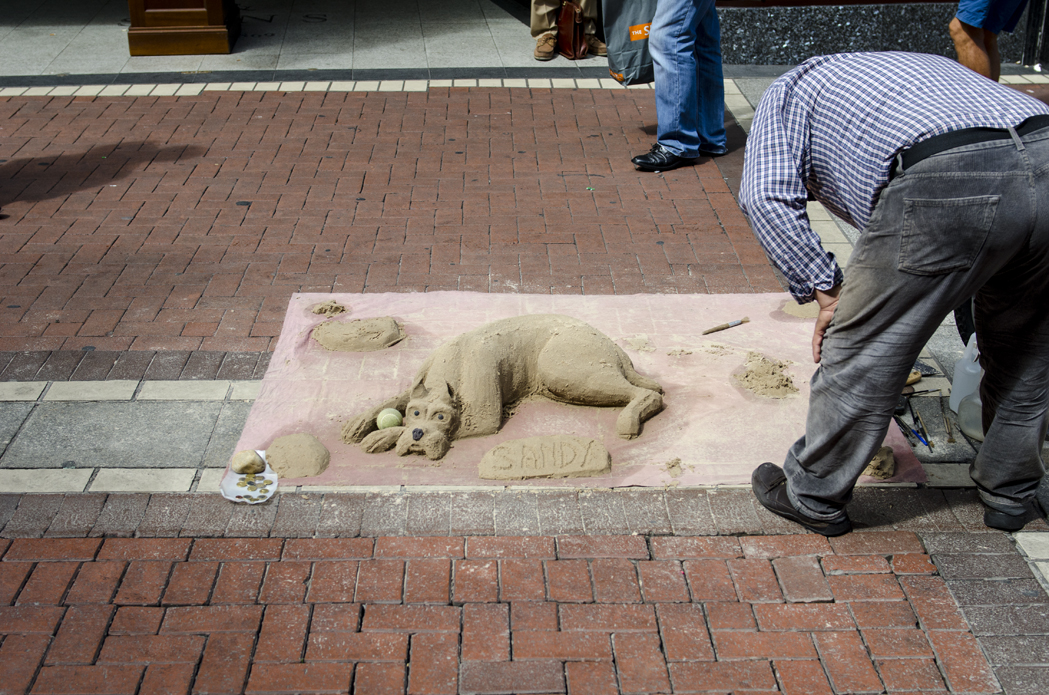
389,417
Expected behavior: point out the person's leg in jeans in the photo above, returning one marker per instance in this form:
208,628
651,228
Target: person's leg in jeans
1012,329
933,240
685,42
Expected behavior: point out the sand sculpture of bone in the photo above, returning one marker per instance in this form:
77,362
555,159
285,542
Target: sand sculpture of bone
461,388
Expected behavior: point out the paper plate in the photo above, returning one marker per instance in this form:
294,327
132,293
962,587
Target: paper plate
250,488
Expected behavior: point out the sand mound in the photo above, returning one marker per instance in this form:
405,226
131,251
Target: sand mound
297,456
361,335
329,308
766,377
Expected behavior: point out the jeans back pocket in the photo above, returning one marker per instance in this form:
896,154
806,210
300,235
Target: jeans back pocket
944,235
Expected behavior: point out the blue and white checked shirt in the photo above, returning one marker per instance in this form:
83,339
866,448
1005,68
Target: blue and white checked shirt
833,126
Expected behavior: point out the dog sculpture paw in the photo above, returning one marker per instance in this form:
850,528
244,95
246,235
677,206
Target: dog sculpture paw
381,440
354,431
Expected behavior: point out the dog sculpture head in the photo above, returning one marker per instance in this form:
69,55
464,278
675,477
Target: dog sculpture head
429,422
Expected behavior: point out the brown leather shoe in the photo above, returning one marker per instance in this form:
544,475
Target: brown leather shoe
595,46
546,47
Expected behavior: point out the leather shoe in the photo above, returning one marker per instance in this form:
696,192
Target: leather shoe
769,484
659,158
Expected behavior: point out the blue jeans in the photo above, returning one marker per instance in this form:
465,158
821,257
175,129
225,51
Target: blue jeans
685,42
973,220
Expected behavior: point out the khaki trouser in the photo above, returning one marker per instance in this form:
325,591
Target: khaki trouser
544,16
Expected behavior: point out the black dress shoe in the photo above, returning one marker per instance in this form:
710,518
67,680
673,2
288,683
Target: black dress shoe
769,484
659,158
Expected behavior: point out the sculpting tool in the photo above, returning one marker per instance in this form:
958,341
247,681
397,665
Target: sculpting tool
907,430
946,423
925,430
723,326
921,426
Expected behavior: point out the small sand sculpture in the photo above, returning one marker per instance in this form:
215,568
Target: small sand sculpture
329,308
557,456
766,377
462,387
247,462
883,465
360,335
298,456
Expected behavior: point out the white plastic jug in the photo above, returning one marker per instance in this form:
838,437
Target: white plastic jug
967,374
970,416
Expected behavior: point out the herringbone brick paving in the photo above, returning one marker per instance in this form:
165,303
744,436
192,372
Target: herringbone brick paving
186,223
867,612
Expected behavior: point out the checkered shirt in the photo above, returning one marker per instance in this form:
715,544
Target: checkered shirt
833,126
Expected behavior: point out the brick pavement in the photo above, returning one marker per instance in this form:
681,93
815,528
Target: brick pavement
865,613
430,592
185,223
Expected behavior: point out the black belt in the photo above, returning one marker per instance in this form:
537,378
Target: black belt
966,136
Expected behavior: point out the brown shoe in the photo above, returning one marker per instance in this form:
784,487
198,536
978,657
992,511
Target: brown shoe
596,46
546,47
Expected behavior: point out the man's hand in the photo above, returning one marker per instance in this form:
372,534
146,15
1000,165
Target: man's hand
828,301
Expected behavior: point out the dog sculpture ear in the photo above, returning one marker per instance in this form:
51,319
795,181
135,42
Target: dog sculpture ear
443,392
419,391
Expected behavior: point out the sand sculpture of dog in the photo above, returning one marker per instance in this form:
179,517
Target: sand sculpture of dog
461,388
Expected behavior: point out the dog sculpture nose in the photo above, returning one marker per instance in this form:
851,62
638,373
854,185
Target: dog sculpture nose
417,434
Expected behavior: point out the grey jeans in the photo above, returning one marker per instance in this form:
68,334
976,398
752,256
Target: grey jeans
973,220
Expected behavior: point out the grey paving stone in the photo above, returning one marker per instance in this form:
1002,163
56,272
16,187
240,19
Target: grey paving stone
342,515
33,516
1027,650
472,514
956,542
24,366
253,520
117,435
165,515
870,509
646,512
1022,619
429,514
8,505
602,512
5,359
238,365
131,364
12,415
202,364
121,515
978,592
690,513
166,366
967,509
734,511
1023,680
228,428
262,365
77,516
559,513
967,566
297,515
938,510
385,514
516,514
59,365
208,516
96,365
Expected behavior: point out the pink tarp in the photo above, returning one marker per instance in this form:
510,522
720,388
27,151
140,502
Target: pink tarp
717,429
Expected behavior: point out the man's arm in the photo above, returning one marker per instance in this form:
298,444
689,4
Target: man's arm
828,302
773,196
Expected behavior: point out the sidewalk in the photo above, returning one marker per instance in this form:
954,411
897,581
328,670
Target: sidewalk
153,229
